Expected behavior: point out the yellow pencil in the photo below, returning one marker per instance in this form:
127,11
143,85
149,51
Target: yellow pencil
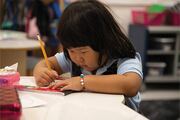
62,5
44,52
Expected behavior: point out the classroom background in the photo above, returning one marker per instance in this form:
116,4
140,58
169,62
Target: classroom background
153,26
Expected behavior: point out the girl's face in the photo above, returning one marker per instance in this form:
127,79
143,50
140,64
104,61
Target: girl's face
85,57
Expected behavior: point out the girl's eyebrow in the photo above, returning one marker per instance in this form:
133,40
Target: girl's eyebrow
83,48
79,48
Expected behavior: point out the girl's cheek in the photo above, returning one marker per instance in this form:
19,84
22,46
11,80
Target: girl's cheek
72,56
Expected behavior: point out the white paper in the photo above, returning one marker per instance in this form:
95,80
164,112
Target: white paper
29,81
12,67
28,101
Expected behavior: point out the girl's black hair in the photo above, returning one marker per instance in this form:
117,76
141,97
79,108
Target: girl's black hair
89,23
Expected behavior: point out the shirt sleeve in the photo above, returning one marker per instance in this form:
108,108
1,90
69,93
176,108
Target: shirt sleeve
63,62
130,65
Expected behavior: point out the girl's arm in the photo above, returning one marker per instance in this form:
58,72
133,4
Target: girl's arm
127,84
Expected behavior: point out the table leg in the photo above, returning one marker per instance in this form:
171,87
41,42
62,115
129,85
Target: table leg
9,57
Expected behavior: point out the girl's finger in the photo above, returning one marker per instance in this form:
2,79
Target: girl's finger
52,75
62,78
51,85
49,76
67,87
55,74
42,82
59,84
39,84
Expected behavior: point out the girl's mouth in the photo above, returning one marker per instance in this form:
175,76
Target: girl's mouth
86,68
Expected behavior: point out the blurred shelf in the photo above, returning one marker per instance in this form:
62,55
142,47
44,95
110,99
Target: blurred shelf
170,56
164,29
136,3
160,52
162,79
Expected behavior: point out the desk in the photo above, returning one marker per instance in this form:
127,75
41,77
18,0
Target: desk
79,106
13,48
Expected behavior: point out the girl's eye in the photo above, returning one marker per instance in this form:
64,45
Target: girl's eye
71,51
83,52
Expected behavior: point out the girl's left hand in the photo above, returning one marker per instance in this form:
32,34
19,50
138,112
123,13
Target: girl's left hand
68,84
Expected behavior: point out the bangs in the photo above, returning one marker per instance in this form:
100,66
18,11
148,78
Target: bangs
78,27
73,36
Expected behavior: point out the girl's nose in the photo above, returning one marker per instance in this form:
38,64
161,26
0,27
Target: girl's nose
79,59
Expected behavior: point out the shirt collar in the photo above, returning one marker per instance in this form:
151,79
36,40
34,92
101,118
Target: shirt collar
102,69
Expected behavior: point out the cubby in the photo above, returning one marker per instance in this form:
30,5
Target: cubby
167,51
159,47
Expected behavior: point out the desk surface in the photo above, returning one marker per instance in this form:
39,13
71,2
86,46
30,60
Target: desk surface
78,106
14,40
13,48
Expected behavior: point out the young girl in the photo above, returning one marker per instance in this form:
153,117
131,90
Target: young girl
93,45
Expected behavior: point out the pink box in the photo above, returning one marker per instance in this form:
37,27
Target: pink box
145,18
9,78
10,106
175,18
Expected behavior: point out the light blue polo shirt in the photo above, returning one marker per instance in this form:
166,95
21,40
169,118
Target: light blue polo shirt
123,66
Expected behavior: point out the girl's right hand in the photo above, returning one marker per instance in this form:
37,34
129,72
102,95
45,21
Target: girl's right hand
44,76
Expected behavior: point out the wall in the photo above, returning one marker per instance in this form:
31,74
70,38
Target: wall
121,9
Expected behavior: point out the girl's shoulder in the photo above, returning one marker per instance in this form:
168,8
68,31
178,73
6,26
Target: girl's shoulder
64,62
121,61
130,64
60,55
61,58
136,59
